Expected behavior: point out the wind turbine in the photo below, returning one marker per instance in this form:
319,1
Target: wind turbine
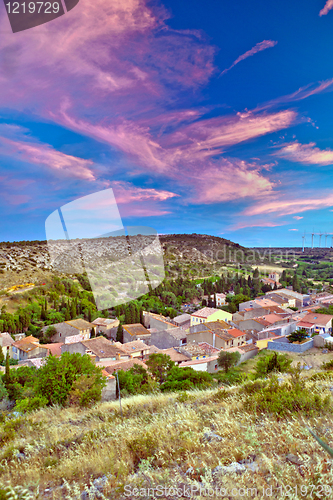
303,238
326,240
320,235
312,238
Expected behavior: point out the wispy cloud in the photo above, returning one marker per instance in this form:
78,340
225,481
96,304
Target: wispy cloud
256,223
227,180
44,154
328,6
292,229
307,154
290,206
300,94
266,44
297,217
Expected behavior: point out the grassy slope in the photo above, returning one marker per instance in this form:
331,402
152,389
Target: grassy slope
160,438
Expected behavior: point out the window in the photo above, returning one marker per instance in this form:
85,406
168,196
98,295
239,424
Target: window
59,334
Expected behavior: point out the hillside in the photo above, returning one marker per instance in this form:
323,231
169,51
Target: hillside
213,439
29,262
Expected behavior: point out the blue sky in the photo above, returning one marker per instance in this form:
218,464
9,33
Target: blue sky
207,117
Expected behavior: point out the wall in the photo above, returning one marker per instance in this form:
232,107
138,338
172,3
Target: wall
76,347
109,391
281,346
250,324
163,340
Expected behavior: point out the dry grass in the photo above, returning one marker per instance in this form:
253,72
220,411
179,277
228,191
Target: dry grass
160,438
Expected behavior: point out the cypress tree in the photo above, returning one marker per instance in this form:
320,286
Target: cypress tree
119,337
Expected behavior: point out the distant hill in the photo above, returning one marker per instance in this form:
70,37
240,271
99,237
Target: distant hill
29,261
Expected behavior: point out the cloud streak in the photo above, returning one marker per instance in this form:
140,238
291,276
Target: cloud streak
290,206
265,44
307,154
325,10
44,154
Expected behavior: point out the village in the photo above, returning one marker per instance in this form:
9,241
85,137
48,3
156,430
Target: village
280,320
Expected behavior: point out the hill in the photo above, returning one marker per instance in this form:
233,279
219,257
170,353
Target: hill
29,262
192,441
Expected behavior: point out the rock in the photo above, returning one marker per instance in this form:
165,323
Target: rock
100,483
248,460
211,436
20,456
293,459
233,468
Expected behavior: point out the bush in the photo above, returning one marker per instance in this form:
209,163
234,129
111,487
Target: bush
283,400
328,365
30,404
226,360
232,377
272,362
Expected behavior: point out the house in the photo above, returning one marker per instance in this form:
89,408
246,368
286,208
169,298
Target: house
322,322
269,281
135,349
28,348
208,364
217,338
282,299
183,321
6,342
172,337
210,325
54,349
220,299
194,351
257,312
176,355
109,392
209,349
239,336
152,320
309,327
107,326
255,303
253,324
274,276
72,328
136,331
122,365
300,298
99,347
209,314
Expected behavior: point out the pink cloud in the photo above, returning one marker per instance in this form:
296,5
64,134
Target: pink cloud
229,180
328,6
292,229
43,154
298,95
297,217
266,44
189,144
290,206
307,154
126,192
258,223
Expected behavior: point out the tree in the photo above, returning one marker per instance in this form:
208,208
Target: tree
159,365
2,357
182,379
119,337
228,359
48,334
296,286
57,377
272,362
298,335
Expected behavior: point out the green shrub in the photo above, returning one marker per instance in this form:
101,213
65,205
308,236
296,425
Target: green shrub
232,377
272,362
30,404
321,376
251,387
328,365
284,399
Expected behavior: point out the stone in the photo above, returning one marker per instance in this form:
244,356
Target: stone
233,468
293,459
211,436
